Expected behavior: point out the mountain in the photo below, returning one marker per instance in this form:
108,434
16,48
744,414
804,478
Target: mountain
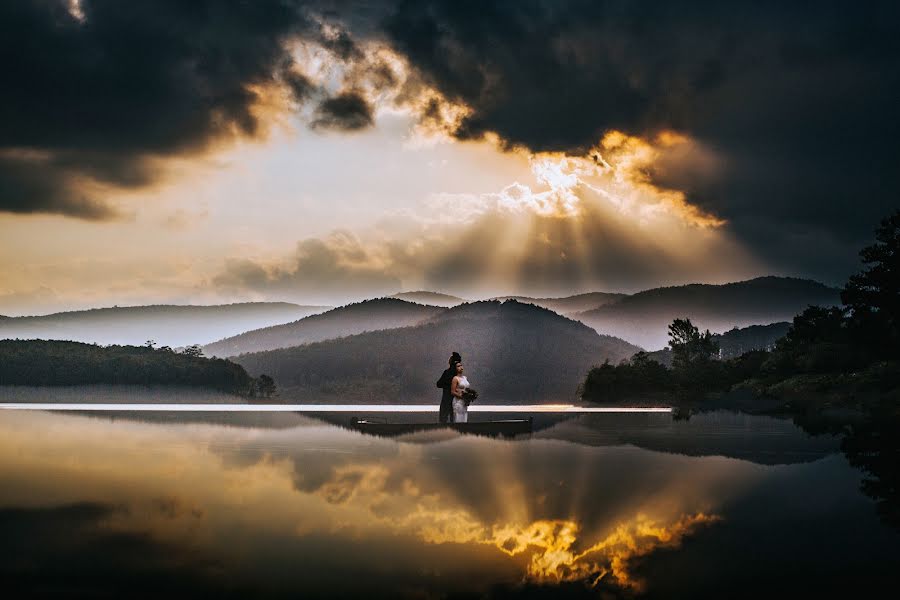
570,304
168,325
512,352
430,298
643,318
369,315
735,342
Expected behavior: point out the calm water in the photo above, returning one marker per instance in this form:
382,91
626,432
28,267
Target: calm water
247,505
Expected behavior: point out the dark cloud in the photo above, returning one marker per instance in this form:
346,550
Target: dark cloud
97,97
798,100
30,185
347,111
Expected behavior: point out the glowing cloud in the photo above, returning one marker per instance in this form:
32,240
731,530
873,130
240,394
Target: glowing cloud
552,546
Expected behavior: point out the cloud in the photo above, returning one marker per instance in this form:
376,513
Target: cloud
35,184
32,301
348,111
102,87
323,270
790,112
583,224
797,105
99,95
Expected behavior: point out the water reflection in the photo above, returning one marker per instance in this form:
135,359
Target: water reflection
97,506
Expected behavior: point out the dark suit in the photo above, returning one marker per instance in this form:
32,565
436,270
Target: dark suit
446,398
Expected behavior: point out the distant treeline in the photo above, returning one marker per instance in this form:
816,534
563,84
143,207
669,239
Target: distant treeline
736,342
51,362
851,350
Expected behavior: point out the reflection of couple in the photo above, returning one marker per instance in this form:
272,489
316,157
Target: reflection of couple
454,405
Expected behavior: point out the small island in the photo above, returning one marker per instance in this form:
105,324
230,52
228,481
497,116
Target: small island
64,363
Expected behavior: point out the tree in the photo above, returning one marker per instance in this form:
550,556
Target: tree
193,350
689,347
872,296
265,386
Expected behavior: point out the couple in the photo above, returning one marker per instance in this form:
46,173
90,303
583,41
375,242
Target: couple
456,392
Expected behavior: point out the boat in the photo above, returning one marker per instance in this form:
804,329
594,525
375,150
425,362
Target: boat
504,428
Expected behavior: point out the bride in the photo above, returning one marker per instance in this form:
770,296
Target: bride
458,386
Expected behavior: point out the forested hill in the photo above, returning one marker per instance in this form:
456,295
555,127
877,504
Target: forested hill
570,304
166,324
41,362
431,298
642,318
370,315
512,352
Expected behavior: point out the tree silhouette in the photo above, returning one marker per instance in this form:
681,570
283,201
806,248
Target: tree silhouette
872,296
193,350
689,346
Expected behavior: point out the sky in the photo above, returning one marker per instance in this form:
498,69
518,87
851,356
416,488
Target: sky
323,152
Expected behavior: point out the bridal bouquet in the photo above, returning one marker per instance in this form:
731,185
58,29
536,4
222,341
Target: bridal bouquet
469,395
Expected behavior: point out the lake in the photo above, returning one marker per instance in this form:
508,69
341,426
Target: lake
293,505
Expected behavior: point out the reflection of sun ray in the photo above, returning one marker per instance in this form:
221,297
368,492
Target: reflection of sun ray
555,549
209,484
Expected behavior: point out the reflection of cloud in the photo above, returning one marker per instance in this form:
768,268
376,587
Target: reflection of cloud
555,559
307,491
350,481
556,548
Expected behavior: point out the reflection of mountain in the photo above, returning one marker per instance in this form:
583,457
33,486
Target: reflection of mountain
430,298
762,440
370,315
512,352
643,317
315,511
570,304
168,325
736,342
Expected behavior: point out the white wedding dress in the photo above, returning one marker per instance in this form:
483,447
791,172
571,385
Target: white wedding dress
460,408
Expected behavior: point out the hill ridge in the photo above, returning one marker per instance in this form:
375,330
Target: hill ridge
320,326
642,318
512,352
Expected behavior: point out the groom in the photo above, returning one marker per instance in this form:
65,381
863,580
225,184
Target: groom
444,384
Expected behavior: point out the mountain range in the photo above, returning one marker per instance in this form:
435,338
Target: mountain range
166,324
512,352
369,315
643,318
391,349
